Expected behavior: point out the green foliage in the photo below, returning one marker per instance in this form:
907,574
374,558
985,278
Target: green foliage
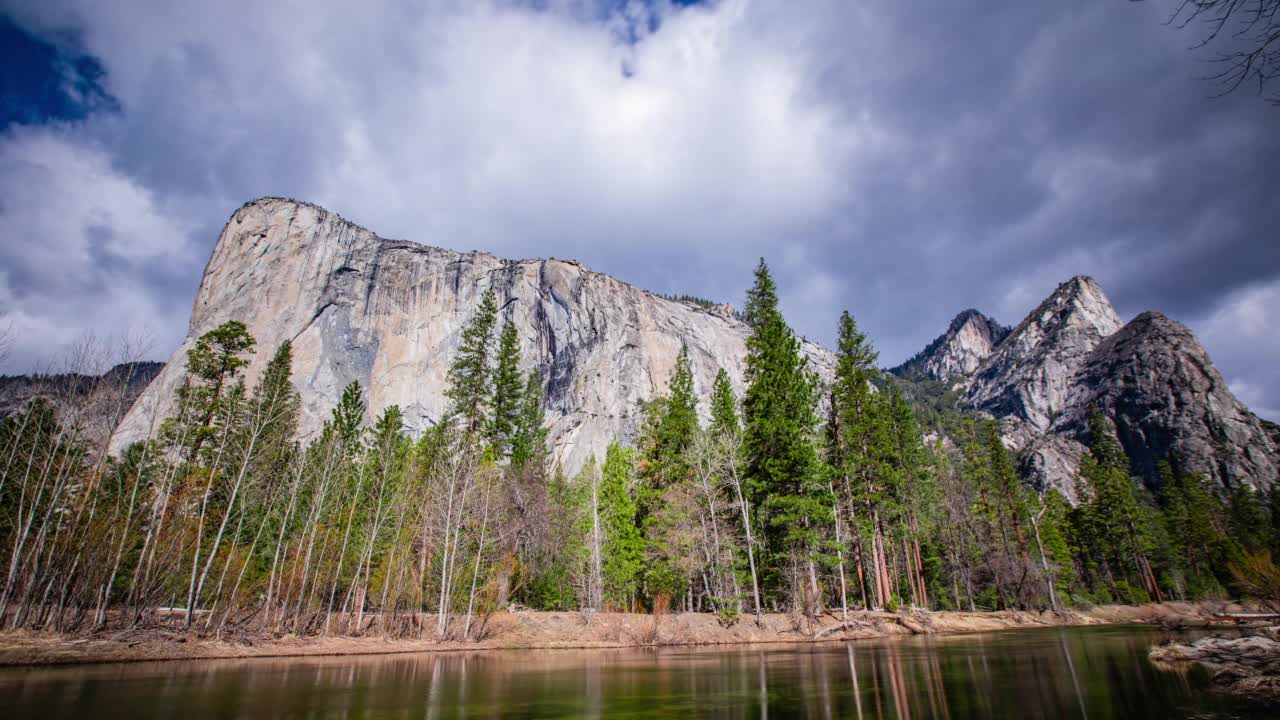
781,459
528,443
470,379
724,405
348,415
1194,525
1249,520
209,395
1115,525
623,545
508,392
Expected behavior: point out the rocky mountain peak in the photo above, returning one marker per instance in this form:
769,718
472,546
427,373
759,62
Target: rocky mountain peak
1029,374
970,338
1167,401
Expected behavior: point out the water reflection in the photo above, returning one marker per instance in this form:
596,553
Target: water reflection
1082,673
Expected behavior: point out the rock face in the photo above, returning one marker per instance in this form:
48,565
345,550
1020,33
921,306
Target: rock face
388,314
94,403
1167,400
1030,374
1150,377
968,341
1247,666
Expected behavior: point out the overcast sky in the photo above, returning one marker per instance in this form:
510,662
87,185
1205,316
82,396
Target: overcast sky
904,159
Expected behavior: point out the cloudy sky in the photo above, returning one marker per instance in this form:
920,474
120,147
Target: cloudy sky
904,159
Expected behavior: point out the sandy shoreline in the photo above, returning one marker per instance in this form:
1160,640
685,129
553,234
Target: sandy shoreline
567,630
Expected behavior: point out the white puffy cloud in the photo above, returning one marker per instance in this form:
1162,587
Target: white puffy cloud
86,250
899,158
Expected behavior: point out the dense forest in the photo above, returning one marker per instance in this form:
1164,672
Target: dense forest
798,496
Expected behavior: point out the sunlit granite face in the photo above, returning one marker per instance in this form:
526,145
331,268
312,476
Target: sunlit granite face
388,314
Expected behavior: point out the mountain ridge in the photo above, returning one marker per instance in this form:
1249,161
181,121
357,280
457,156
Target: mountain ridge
1072,355
388,314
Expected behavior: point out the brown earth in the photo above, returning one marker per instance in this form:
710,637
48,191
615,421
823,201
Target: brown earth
534,629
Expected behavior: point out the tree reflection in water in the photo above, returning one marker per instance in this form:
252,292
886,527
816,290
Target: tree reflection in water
1089,673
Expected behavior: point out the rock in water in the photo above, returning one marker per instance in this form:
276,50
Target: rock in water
388,314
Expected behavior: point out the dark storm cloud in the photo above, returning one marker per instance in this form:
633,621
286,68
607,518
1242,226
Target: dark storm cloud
902,159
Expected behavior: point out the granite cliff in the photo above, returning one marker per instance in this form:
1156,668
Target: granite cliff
1150,377
957,353
388,314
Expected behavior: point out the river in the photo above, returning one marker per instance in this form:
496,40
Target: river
1093,673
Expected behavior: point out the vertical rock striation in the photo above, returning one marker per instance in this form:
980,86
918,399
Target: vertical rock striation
388,314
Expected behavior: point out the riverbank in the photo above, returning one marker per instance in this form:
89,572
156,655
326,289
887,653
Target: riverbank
549,630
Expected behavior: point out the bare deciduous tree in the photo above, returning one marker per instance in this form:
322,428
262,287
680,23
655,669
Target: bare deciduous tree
1245,35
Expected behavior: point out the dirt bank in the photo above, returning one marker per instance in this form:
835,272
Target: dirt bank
531,629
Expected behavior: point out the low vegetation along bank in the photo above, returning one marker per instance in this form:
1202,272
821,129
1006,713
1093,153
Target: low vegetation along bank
795,503
562,630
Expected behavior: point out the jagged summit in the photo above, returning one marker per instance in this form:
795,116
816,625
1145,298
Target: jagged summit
970,338
1072,355
1029,374
1167,401
388,314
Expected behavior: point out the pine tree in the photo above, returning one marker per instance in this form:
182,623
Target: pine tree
348,415
212,366
914,492
280,403
528,444
781,460
681,419
724,405
1194,525
671,422
860,449
1118,524
470,380
623,547
508,388
1250,522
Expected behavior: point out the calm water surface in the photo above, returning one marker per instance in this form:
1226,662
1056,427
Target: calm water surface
1092,673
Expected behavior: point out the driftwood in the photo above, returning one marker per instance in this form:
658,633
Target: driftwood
853,625
1246,616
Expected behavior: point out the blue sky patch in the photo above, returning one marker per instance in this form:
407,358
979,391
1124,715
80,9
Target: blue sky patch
46,81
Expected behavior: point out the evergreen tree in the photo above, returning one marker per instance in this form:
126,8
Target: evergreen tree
348,415
470,380
508,389
213,363
1250,521
623,546
1194,526
279,404
670,426
781,459
528,443
860,450
724,405
1116,524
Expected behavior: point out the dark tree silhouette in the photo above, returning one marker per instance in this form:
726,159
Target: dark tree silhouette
1246,37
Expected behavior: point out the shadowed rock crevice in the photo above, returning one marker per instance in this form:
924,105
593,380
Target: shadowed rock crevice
388,314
